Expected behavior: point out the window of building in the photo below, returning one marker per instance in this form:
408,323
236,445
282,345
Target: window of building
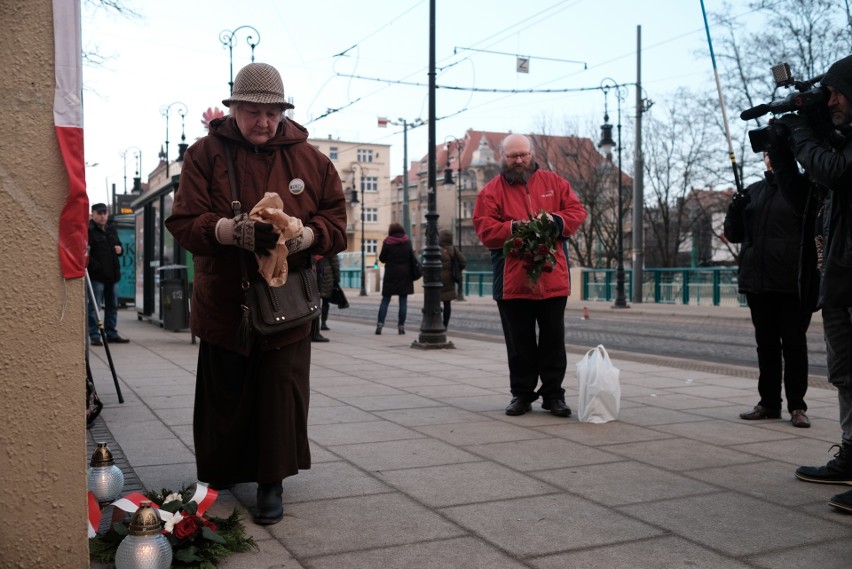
371,246
371,214
332,152
365,155
371,183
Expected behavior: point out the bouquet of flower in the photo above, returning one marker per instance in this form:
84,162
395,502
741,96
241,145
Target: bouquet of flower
198,541
534,244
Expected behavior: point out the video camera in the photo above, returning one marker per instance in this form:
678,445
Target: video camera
806,100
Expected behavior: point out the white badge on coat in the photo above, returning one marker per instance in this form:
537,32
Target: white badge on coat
297,186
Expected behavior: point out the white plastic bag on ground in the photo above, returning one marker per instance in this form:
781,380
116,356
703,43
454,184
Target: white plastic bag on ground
600,390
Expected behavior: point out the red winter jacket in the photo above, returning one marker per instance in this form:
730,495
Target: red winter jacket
499,203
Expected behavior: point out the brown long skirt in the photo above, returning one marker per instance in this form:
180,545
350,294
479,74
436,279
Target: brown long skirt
251,413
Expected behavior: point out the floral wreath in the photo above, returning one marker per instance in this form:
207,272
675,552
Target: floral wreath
198,541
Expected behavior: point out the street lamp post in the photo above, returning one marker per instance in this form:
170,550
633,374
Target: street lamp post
606,139
227,38
165,112
363,243
448,179
406,213
137,160
433,334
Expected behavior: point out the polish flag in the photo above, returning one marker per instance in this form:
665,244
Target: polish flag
383,122
68,120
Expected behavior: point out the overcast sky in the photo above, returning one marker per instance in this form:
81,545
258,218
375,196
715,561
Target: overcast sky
172,53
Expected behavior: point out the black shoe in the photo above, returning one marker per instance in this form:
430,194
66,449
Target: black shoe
401,330
837,471
378,330
96,341
842,502
324,326
117,340
799,419
760,412
556,407
518,407
319,338
270,509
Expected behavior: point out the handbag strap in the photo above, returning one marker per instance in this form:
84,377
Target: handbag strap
236,207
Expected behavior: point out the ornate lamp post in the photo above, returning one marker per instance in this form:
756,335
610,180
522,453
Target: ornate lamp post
137,160
448,180
227,38
606,143
363,243
182,112
432,332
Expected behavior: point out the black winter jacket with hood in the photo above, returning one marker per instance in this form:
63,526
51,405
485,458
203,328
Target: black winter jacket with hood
827,161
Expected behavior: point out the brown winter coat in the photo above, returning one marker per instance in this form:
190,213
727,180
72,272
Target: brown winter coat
448,251
204,197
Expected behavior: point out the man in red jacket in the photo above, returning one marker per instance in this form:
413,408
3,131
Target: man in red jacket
518,194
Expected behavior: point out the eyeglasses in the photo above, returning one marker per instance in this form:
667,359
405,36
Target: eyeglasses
521,155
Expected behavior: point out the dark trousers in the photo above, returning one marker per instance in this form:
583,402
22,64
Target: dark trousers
533,356
780,330
837,325
326,304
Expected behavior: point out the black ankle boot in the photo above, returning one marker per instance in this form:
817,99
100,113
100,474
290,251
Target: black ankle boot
269,509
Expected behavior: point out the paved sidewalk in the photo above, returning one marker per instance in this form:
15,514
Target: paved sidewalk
417,466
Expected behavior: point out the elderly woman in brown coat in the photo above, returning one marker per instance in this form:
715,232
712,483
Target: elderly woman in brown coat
251,401
398,256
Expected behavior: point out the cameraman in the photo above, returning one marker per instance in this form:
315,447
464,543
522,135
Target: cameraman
827,161
770,230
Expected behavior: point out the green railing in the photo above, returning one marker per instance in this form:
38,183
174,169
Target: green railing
715,286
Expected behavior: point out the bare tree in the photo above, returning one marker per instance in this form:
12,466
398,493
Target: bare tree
680,150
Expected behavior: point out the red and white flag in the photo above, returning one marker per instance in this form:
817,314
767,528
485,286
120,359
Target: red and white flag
383,122
68,120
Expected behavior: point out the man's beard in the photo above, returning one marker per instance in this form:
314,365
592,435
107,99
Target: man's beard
520,175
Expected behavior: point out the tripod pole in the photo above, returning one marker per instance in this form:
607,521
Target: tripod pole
94,302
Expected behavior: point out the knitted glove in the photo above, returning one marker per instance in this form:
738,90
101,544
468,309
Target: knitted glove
254,236
300,242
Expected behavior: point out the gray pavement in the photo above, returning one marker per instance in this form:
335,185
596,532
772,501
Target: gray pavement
417,466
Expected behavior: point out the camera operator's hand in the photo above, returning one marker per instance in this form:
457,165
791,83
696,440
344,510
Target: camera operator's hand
791,122
740,201
246,233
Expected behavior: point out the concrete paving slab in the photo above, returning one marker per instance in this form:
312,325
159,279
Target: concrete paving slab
364,432
385,402
727,522
625,482
826,555
542,525
680,455
656,553
428,416
409,453
613,432
466,483
325,527
466,552
642,415
339,414
541,454
724,432
461,434
336,479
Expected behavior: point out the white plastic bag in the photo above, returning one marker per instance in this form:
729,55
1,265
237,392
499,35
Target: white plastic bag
600,390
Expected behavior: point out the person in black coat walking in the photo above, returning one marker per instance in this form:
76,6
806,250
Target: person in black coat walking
398,257
770,230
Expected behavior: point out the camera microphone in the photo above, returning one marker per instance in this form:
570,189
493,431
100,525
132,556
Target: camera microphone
754,112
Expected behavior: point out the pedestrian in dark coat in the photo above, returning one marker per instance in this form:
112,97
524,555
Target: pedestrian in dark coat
104,271
448,285
330,280
770,230
397,255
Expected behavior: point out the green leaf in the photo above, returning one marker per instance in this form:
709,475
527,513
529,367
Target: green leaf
212,535
187,554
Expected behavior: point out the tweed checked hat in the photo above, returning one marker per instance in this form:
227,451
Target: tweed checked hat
258,83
